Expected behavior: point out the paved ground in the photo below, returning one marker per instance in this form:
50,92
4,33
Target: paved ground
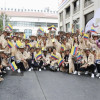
48,85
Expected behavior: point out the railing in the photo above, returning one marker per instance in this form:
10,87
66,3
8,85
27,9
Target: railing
87,3
76,9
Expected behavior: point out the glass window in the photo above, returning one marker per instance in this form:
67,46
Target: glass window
50,24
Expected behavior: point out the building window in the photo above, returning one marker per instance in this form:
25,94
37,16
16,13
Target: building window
28,32
67,27
88,17
76,24
76,6
67,12
61,17
50,24
88,2
15,30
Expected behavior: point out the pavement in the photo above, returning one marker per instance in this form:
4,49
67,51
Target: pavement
47,85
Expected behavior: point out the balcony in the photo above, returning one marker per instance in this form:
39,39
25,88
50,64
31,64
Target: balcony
87,3
76,9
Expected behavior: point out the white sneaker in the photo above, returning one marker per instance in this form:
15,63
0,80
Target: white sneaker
19,71
79,73
4,72
44,68
86,73
92,75
7,68
30,70
95,70
39,70
98,75
75,72
58,69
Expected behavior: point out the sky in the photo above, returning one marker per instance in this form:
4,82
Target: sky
29,4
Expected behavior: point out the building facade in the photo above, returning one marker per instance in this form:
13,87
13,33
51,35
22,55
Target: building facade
76,13
29,22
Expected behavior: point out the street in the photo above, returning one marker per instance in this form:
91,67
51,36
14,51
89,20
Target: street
48,85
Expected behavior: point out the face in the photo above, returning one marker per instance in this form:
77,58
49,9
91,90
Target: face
39,37
67,35
67,52
5,34
64,41
87,52
32,50
37,50
54,51
32,38
15,38
21,50
75,39
52,36
45,52
95,38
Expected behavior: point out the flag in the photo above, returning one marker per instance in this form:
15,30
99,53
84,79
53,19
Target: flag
29,45
41,29
52,27
93,30
74,50
10,45
9,27
38,55
86,36
60,62
62,47
18,44
54,56
24,36
11,35
72,28
79,56
81,32
13,66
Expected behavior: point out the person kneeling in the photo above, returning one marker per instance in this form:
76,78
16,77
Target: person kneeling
88,62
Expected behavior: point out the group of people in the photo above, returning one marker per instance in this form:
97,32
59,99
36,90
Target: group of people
66,52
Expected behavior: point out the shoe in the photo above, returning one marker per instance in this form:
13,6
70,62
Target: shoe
92,75
39,70
95,70
75,72
30,70
7,68
44,68
98,75
1,79
4,72
19,71
86,73
79,73
58,69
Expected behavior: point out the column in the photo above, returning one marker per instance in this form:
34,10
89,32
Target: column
82,20
64,26
71,16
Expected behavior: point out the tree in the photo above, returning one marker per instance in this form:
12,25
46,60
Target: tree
1,21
